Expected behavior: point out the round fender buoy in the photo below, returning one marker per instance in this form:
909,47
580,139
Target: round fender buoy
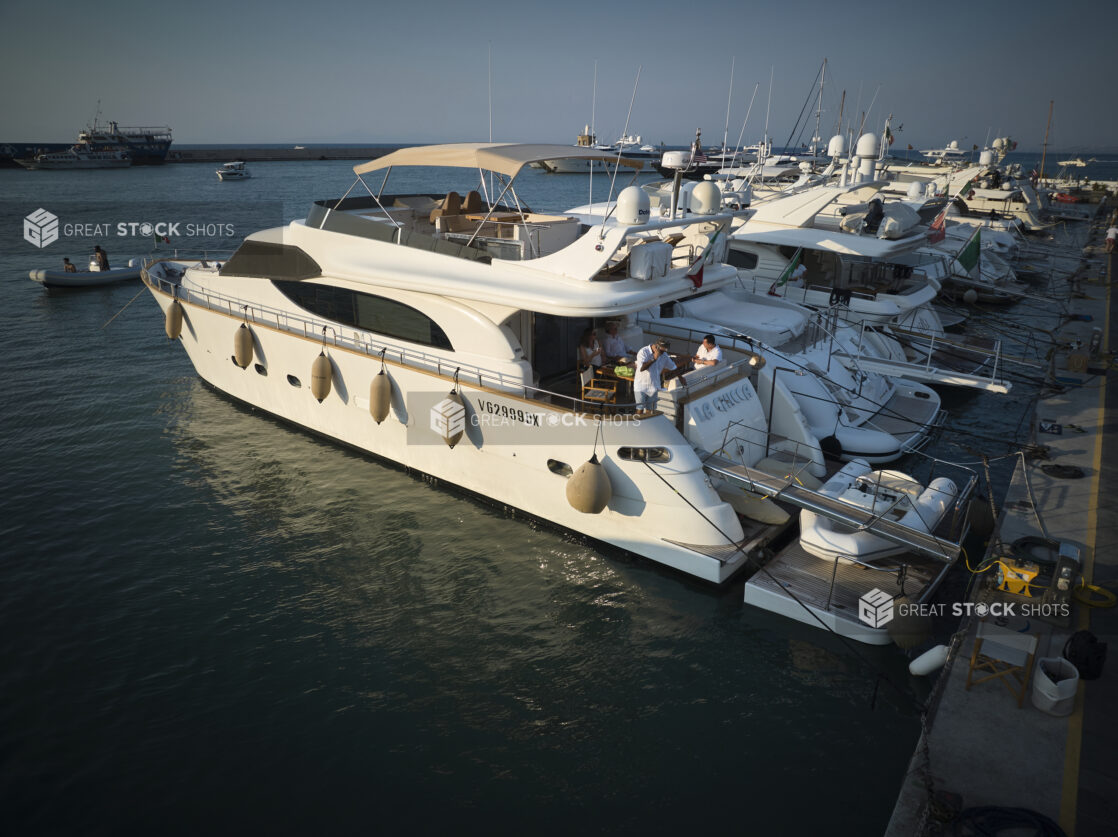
589,489
322,373
380,396
242,346
172,325
931,660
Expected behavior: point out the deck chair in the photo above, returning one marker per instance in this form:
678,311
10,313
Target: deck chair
595,390
451,205
473,204
1002,654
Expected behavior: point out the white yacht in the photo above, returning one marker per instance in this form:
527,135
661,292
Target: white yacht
233,171
630,147
440,333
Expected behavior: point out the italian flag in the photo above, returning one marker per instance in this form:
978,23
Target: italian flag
787,273
969,256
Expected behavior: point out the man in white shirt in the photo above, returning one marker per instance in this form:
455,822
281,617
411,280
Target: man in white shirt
709,353
1111,238
614,346
652,361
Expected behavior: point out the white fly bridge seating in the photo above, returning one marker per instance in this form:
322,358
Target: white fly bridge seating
470,229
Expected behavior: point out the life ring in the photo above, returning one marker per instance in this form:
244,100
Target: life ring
1094,596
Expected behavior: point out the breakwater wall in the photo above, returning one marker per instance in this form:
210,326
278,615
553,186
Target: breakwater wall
252,154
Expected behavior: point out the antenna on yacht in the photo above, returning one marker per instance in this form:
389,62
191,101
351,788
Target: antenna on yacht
815,140
617,165
729,99
1044,148
748,110
768,108
593,129
490,112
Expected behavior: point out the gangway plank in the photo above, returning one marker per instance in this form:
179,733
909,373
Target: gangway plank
783,488
925,372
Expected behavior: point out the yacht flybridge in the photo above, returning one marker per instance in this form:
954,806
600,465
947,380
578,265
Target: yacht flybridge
439,331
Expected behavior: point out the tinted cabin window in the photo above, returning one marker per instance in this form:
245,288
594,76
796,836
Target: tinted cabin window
367,312
745,261
266,260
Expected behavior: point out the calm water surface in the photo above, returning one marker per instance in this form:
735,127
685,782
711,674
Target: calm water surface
211,622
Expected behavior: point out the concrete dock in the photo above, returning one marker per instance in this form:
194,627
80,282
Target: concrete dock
978,747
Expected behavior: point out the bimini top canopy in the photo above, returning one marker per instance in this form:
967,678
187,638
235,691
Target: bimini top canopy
503,158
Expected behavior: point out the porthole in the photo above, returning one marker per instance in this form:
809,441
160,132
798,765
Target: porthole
295,382
645,454
560,468
261,369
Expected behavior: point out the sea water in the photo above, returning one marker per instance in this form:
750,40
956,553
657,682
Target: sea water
213,622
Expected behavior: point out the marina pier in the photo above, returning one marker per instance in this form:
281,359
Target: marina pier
984,746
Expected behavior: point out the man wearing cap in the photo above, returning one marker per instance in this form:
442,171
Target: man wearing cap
652,361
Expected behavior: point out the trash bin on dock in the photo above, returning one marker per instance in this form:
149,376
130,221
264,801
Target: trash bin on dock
1054,685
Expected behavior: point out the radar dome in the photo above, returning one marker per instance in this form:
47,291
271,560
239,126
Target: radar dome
706,198
867,145
915,190
999,143
675,159
954,144
633,206
986,158
837,146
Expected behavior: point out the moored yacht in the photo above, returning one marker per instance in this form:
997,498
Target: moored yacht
440,332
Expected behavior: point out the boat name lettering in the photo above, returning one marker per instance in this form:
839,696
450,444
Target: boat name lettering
723,402
504,411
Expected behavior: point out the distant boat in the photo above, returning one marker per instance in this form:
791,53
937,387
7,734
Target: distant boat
233,171
79,156
146,146
94,277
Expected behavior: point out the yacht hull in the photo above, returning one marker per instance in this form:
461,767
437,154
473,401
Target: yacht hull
514,451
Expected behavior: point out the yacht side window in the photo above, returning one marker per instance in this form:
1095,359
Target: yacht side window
367,312
741,260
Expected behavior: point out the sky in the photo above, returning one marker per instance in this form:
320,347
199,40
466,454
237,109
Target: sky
336,71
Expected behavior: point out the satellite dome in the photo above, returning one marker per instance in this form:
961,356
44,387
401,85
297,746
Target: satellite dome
633,206
706,198
867,145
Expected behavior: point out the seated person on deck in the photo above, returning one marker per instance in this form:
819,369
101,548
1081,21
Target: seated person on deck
614,345
709,353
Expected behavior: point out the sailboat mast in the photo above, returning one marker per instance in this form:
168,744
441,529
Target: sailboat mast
818,113
1044,149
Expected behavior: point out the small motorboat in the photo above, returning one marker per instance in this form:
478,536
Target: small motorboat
92,278
890,495
233,171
